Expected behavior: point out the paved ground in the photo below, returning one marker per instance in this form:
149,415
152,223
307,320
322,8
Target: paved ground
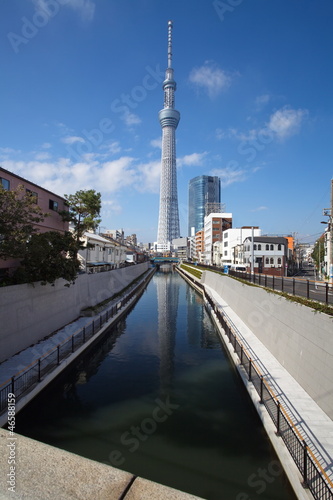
42,472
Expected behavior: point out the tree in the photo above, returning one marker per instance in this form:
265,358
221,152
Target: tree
84,210
49,256
18,216
318,252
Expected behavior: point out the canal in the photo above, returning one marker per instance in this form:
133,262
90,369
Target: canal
159,397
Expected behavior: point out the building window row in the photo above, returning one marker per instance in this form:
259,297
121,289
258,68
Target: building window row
267,247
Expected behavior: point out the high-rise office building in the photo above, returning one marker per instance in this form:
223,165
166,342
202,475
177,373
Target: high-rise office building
168,222
204,197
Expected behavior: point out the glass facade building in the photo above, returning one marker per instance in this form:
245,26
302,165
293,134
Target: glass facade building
202,190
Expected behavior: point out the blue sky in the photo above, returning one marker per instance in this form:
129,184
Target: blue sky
81,90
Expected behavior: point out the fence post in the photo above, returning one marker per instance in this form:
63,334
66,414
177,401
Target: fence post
58,356
39,370
13,385
273,283
84,335
278,419
326,294
261,389
250,368
293,286
305,465
72,343
282,285
241,357
266,280
307,289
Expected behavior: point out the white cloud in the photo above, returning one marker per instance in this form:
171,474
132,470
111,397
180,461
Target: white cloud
149,175
85,8
194,159
211,78
71,139
259,209
156,143
286,122
262,100
42,156
46,145
130,118
112,147
234,133
229,175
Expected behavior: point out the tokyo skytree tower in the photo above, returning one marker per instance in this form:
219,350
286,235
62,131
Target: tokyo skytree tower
168,222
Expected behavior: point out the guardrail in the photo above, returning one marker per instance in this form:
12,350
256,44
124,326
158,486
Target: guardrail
314,476
29,377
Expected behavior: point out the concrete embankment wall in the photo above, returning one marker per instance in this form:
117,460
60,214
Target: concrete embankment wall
29,313
299,338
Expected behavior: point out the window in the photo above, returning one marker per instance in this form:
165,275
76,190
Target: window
259,247
272,260
267,260
33,194
5,183
279,246
279,261
225,244
225,235
272,247
267,247
225,253
53,205
254,247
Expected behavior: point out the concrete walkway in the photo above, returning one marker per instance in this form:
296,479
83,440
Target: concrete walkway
42,472
310,420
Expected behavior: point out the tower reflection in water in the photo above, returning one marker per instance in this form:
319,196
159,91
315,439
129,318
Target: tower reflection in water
167,306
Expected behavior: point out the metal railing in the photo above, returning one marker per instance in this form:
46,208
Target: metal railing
314,476
319,291
30,376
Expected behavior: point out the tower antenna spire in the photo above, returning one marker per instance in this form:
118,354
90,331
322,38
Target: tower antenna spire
169,44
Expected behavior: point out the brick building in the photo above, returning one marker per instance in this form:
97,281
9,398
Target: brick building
49,203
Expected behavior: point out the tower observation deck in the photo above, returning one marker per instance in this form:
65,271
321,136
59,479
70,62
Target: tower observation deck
168,222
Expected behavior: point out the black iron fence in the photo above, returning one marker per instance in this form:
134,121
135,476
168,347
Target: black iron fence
314,476
29,377
310,289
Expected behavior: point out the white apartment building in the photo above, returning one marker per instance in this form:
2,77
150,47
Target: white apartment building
101,254
182,247
229,250
214,225
270,254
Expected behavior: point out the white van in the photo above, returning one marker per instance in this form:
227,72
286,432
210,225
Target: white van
238,267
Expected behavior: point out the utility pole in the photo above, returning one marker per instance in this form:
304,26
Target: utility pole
328,212
330,247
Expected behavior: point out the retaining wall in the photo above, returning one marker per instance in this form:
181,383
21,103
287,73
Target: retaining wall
29,313
299,338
